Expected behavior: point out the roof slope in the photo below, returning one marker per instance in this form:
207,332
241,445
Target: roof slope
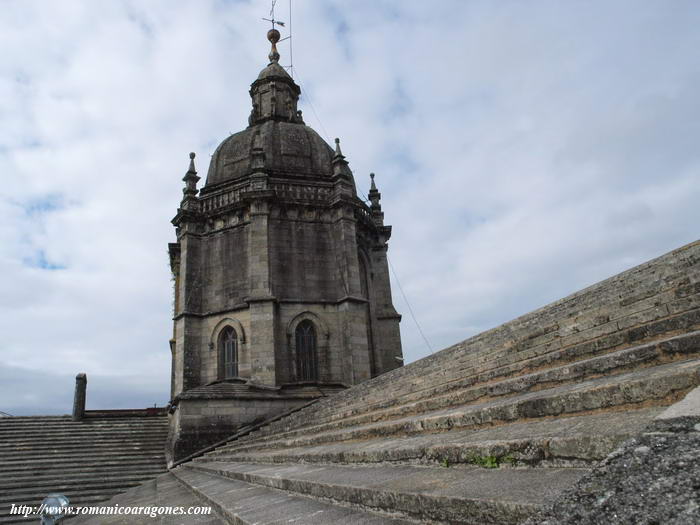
488,431
88,461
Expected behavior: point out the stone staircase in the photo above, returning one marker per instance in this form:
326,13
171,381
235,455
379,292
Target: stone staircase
89,461
488,431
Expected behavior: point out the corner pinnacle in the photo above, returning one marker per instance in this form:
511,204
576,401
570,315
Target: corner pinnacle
338,153
191,168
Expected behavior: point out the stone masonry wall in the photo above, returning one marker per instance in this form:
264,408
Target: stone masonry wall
225,262
198,423
303,262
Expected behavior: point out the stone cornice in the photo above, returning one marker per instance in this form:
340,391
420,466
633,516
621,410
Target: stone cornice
284,300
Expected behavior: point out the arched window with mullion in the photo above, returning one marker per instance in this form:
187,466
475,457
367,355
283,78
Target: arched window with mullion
307,359
228,350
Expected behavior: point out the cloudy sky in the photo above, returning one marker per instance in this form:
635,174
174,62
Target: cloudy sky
524,150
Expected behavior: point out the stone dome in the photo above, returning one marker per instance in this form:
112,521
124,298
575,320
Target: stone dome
289,149
276,140
273,69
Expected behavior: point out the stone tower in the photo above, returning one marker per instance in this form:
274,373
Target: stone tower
282,287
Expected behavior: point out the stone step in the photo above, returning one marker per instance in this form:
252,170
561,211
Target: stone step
6,517
644,326
75,499
642,356
472,388
512,361
78,463
88,461
80,433
577,441
386,415
69,435
67,423
163,491
595,356
60,462
80,443
79,496
46,479
144,494
509,361
453,495
9,451
87,456
32,439
247,504
659,385
63,485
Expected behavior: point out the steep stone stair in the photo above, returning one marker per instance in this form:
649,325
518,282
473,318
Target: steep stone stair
89,461
485,432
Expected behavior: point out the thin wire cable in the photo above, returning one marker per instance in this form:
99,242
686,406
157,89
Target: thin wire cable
325,133
323,128
308,98
291,55
430,348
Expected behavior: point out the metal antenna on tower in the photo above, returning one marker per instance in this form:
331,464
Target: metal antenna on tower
274,22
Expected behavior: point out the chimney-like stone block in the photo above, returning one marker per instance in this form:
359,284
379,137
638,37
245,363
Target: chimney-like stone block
79,397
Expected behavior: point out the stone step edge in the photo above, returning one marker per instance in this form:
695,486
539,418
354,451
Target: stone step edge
16,422
647,355
206,500
394,399
655,351
77,448
39,430
48,435
439,508
72,491
40,479
97,459
81,459
108,490
589,397
307,439
70,466
90,447
541,452
75,499
627,341
46,432
6,517
235,518
77,482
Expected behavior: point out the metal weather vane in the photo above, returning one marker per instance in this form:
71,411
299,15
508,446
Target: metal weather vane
272,17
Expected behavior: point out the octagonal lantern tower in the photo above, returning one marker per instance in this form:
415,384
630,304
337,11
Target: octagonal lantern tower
282,289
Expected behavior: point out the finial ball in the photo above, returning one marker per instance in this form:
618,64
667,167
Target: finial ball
371,176
273,36
192,155
337,140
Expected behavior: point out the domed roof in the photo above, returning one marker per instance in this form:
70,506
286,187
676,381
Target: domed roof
273,69
276,141
289,148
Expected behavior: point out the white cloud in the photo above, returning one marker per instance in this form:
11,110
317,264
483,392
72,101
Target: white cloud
523,151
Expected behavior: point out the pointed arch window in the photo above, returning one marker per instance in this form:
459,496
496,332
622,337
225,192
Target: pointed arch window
228,350
307,357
